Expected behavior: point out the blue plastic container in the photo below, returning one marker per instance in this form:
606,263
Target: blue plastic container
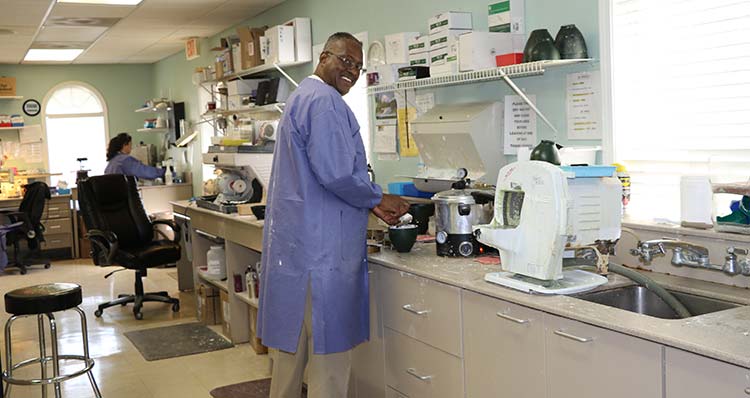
591,171
407,189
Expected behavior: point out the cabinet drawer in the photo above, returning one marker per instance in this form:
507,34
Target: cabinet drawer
421,371
426,310
57,241
57,226
60,213
503,348
391,393
691,376
586,361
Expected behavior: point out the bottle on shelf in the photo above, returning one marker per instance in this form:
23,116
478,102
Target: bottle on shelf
216,262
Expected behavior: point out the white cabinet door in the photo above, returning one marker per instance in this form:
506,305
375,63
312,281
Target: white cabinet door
503,349
693,376
585,361
368,359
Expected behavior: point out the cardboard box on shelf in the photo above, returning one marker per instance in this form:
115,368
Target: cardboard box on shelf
7,86
477,50
421,59
449,20
255,341
445,38
506,16
250,46
419,44
226,317
444,68
280,44
397,47
242,86
302,39
508,59
208,307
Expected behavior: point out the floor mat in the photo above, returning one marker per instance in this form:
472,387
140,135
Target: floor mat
249,389
176,341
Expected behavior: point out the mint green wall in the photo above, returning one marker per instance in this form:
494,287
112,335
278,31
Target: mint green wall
382,17
124,88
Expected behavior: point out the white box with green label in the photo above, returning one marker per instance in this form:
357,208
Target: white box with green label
445,54
421,59
445,38
506,16
443,69
419,44
449,20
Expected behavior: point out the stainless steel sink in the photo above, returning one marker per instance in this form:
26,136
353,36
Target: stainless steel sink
640,300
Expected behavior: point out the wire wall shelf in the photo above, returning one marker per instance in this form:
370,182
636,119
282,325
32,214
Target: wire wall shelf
518,70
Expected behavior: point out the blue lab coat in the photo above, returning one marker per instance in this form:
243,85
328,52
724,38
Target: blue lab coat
130,166
315,229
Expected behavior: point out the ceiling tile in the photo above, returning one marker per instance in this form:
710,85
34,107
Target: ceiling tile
146,33
24,12
70,33
90,10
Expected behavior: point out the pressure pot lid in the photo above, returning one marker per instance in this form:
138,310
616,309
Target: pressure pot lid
454,196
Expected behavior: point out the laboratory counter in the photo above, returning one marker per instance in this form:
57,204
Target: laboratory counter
723,335
435,318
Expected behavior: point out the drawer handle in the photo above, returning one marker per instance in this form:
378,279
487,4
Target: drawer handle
747,391
573,337
512,319
55,226
411,309
370,272
414,373
53,209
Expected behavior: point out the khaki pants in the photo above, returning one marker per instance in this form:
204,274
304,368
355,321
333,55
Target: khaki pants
328,375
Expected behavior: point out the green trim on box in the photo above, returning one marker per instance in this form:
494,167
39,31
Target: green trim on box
416,46
501,28
443,39
439,24
497,8
439,57
450,59
421,61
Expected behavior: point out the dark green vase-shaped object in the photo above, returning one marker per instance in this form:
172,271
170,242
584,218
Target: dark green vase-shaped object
546,151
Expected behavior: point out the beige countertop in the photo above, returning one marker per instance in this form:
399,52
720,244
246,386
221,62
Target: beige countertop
182,184
184,205
723,335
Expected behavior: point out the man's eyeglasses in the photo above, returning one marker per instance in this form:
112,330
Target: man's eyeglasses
348,63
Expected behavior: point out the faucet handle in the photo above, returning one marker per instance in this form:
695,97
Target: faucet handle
736,250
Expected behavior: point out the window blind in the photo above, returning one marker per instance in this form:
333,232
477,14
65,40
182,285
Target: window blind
681,97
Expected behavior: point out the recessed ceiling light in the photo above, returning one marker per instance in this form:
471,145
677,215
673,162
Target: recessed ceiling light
108,2
38,54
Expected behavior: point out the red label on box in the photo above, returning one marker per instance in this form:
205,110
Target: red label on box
508,59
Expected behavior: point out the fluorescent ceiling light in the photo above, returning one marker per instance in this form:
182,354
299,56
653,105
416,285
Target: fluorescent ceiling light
109,2
43,54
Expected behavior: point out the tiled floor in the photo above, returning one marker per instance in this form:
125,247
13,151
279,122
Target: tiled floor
120,370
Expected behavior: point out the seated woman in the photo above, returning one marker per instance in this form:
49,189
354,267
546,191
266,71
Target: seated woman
120,161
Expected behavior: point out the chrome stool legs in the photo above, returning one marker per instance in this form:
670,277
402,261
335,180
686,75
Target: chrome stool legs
43,359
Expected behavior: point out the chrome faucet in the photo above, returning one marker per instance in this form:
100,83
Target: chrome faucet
684,253
691,255
733,266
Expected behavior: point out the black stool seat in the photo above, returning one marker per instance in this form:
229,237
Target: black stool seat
43,299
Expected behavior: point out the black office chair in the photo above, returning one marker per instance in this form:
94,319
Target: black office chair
122,234
27,228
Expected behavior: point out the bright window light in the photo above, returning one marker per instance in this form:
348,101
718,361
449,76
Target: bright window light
43,54
109,2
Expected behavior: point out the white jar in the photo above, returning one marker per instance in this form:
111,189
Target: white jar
216,262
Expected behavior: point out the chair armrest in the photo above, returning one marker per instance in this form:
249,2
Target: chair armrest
171,224
107,242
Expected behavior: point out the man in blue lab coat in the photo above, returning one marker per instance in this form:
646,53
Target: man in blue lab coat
314,289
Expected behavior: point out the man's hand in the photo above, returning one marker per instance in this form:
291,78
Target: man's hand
390,208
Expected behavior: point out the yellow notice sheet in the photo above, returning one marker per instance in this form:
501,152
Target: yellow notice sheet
407,146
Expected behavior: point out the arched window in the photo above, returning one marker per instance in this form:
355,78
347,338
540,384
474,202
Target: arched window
75,119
